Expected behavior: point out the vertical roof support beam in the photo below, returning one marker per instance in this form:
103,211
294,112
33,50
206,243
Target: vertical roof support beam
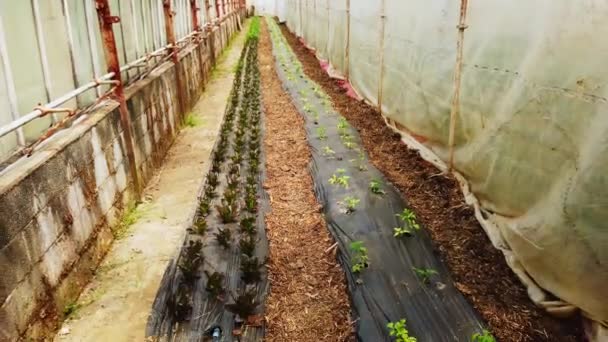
106,20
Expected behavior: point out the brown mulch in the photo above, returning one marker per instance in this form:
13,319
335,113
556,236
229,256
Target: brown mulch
479,270
308,300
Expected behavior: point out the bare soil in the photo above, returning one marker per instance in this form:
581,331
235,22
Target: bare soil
308,300
478,269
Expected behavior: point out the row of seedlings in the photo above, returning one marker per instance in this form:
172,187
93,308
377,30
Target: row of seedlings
191,260
359,253
251,266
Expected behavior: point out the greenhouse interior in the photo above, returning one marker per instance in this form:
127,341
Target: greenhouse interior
303,170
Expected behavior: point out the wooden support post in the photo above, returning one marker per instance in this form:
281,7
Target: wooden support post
382,29
455,108
111,54
168,11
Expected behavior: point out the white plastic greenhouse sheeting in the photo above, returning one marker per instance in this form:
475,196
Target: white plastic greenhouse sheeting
532,135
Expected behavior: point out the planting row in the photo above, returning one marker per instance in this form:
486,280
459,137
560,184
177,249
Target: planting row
219,281
387,256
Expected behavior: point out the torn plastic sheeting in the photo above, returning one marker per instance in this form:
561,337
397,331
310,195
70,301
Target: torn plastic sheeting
208,312
388,290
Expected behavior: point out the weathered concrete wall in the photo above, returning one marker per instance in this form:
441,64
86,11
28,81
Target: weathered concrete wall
58,207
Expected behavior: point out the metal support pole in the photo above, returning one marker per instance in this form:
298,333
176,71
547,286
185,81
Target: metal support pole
174,55
347,53
10,85
454,110
199,39
382,28
111,53
210,33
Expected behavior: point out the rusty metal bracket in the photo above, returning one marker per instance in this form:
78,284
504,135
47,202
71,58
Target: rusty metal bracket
46,111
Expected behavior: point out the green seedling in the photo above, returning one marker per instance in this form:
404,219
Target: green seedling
247,225
179,305
409,218
375,186
307,108
486,336
212,179
232,182
237,158
251,269
342,124
210,191
224,237
424,274
401,231
204,206
200,226
251,202
321,133
234,169
216,166
360,260
350,203
254,167
247,245
215,284
350,145
227,211
191,260
328,152
244,305
339,178
399,331
230,195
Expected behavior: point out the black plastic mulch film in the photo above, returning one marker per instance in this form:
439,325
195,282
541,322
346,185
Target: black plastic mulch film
389,289
184,309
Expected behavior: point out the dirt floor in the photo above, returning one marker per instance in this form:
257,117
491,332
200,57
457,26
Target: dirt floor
479,270
308,299
116,304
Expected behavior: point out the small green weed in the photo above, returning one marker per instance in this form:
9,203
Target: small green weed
483,337
360,258
129,217
399,331
424,273
192,120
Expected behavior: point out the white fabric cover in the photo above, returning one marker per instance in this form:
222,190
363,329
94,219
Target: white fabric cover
532,134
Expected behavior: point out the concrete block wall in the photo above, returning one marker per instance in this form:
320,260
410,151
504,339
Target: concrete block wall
58,207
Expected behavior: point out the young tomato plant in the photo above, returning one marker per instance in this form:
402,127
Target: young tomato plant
360,259
409,221
328,152
321,133
483,337
399,331
350,203
339,178
424,274
376,187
